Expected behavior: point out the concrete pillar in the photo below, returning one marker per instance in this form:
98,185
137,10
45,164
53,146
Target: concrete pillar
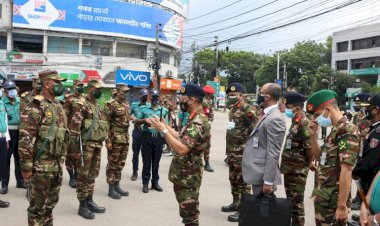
80,45
114,45
9,41
45,43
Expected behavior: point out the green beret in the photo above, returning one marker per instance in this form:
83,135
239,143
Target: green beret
320,99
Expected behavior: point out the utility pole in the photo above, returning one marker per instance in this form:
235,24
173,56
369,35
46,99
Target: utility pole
278,66
285,82
217,56
157,60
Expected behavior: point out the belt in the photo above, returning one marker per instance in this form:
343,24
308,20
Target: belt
13,127
119,129
2,135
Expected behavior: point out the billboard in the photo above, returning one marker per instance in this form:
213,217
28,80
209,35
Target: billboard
133,78
179,6
105,17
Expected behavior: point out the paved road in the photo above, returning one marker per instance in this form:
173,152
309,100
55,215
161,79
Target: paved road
154,208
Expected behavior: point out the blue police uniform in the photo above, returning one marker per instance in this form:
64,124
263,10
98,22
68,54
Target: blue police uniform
4,136
184,116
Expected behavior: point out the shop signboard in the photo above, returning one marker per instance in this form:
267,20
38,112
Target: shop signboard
133,78
366,71
29,58
170,84
19,73
70,75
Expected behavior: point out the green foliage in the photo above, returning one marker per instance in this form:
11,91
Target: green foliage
368,88
342,82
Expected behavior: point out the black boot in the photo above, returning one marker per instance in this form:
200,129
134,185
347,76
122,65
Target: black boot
73,178
234,217
119,190
4,204
134,176
84,211
94,207
232,207
208,167
112,193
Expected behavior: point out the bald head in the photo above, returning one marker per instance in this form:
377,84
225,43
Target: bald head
273,90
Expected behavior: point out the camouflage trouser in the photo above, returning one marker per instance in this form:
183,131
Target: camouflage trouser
44,190
87,173
72,157
238,186
188,204
116,162
325,211
295,188
207,151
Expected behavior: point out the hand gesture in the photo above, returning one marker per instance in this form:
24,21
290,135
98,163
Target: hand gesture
341,214
156,123
313,127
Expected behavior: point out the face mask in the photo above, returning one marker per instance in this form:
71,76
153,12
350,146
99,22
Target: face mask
289,113
79,89
154,101
368,113
1,93
39,88
323,121
12,93
124,96
58,89
260,99
232,100
357,108
96,93
143,98
183,106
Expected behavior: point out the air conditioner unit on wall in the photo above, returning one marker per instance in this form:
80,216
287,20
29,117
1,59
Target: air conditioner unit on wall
86,42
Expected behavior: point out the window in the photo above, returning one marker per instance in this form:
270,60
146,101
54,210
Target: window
96,47
365,63
342,47
63,45
342,65
165,57
27,43
130,50
366,43
3,40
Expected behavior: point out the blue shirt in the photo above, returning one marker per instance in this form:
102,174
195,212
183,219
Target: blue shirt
12,110
135,108
184,116
148,112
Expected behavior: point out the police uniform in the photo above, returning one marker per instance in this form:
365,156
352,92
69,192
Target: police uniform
207,107
341,147
4,138
12,106
137,132
43,144
88,126
73,154
294,159
153,143
186,171
27,97
118,116
361,101
242,120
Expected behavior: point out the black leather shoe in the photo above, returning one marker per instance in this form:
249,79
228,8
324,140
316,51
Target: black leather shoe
234,217
355,217
134,176
112,193
72,181
119,190
4,190
145,189
93,207
157,187
229,208
208,167
84,211
21,185
4,204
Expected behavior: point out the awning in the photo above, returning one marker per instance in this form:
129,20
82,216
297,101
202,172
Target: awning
91,74
170,84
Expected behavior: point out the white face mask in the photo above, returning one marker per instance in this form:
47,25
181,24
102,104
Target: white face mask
12,93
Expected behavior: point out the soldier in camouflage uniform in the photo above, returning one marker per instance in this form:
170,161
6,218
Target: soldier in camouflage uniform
242,120
332,194
73,155
296,155
88,127
118,116
208,109
27,97
42,148
186,169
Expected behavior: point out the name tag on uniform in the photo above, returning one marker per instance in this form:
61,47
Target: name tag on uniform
255,143
288,144
231,125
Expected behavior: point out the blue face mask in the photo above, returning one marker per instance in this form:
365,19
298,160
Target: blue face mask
323,121
289,112
12,93
1,93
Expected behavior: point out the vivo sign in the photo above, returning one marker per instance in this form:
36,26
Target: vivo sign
133,78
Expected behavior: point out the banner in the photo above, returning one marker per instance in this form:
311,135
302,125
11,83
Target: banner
19,73
133,78
170,84
105,17
179,6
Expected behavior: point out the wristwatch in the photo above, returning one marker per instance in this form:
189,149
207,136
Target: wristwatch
163,132
374,222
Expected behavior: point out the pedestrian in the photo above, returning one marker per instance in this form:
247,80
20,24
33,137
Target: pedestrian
118,116
186,169
73,154
43,144
296,155
89,124
208,108
152,144
332,194
27,97
12,105
137,131
242,120
4,143
263,147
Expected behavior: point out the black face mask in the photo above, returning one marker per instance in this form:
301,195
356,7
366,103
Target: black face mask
183,106
96,93
143,99
357,108
39,88
368,113
79,89
155,101
260,99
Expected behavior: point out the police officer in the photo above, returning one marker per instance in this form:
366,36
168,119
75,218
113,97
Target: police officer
27,97
12,105
242,120
88,127
337,158
207,107
73,154
296,155
137,131
186,169
153,143
118,116
4,141
43,134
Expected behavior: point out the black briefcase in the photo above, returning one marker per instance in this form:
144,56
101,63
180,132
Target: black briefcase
265,210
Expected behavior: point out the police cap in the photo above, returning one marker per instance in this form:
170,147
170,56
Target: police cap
154,92
375,100
362,99
293,98
192,90
9,84
235,87
143,92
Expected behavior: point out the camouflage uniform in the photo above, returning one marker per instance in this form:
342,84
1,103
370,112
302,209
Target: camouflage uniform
362,124
207,107
118,115
186,171
43,119
89,120
341,147
244,120
26,98
295,165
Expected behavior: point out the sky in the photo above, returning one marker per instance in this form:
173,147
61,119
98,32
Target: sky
259,15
